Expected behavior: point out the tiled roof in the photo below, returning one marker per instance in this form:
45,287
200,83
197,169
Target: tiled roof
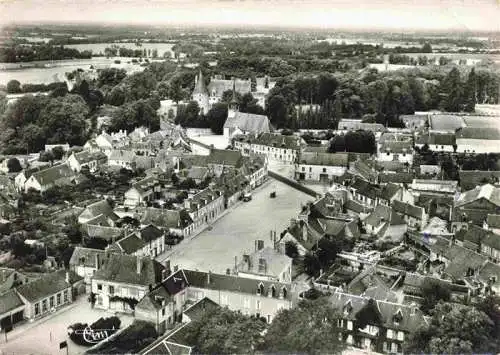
380,215
325,159
488,192
203,198
461,259
122,268
52,174
374,191
9,301
483,133
122,155
248,122
472,234
86,156
46,285
357,207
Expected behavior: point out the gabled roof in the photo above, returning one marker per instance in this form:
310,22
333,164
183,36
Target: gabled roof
86,256
249,122
397,178
472,234
122,268
86,156
52,174
407,209
146,184
197,172
461,259
380,215
196,310
129,244
488,192
225,157
231,283
47,285
324,159
150,233
99,208
469,179
9,301
398,147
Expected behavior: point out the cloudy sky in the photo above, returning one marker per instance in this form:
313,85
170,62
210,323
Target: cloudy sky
389,14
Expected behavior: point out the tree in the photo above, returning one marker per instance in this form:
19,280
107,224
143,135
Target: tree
309,328
58,152
216,117
110,76
452,88
277,111
470,92
311,264
14,87
454,329
433,292
14,165
222,331
427,48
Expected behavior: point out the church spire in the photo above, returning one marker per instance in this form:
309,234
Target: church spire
200,87
234,103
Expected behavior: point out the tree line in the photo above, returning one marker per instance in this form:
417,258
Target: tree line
20,53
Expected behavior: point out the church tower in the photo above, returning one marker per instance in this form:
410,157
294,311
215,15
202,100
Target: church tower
200,93
233,105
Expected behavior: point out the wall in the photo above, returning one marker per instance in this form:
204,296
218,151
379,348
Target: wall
293,184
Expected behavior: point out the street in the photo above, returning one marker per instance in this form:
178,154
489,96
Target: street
43,337
235,233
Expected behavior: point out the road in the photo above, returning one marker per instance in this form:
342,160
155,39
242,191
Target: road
44,336
235,233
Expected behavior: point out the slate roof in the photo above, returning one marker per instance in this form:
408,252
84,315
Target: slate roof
407,209
47,285
357,207
218,86
493,221
172,343
483,133
203,198
166,218
461,259
122,268
387,311
196,310
232,283
397,178
324,159
52,174
225,157
129,244
275,262
488,192
249,122
86,256
122,155
9,301
150,233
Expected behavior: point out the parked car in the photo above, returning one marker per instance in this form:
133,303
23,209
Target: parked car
247,197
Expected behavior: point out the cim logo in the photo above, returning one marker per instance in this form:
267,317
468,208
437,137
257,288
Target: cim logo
92,336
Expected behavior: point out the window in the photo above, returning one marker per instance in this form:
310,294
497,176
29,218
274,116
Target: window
163,311
389,334
324,170
401,336
58,299
257,304
303,169
246,302
111,290
310,169
99,287
51,302
99,300
340,323
44,306
66,296
349,325
37,309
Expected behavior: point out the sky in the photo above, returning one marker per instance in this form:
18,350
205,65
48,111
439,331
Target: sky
463,15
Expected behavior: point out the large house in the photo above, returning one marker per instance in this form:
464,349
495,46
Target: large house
238,123
266,263
86,159
475,205
478,140
395,322
57,175
276,147
86,261
123,280
396,150
177,222
323,167
205,206
372,194
149,241
437,142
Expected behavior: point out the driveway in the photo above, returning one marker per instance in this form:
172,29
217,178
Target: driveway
43,336
235,233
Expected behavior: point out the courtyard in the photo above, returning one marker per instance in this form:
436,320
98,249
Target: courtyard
43,336
234,234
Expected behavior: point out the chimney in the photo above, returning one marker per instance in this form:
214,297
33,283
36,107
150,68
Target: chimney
139,265
209,277
67,277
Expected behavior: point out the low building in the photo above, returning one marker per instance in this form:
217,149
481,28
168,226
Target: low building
143,192
177,222
414,216
10,278
400,151
434,187
478,140
149,242
86,159
122,159
475,205
372,195
86,261
347,124
47,293
266,263
437,142
124,280
97,209
321,166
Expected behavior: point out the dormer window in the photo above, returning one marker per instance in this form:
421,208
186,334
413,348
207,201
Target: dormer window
272,292
260,289
397,317
347,307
